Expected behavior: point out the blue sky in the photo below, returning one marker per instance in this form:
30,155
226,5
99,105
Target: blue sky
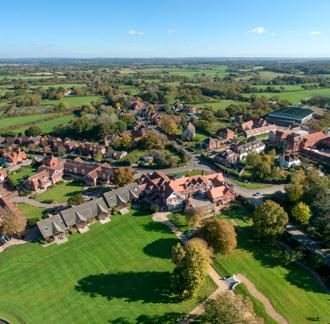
164,28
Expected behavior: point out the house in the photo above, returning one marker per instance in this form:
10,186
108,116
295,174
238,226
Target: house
257,126
248,147
213,144
289,160
56,227
278,137
227,158
53,228
226,134
115,155
175,194
189,132
298,140
3,175
14,157
45,177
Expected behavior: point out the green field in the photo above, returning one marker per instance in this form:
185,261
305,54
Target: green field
61,85
72,100
31,211
221,105
116,273
19,120
60,192
293,291
48,126
293,96
250,185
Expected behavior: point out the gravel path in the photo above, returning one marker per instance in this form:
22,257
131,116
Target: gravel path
262,298
35,203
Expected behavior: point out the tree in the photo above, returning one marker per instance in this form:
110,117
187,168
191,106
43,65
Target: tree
315,187
295,190
150,141
33,131
191,266
228,308
168,125
269,220
10,224
220,235
194,216
123,176
76,199
301,213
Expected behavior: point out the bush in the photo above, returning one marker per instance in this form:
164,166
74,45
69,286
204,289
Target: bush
33,221
154,208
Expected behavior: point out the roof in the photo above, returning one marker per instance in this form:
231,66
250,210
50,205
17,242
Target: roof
51,226
291,112
122,195
83,212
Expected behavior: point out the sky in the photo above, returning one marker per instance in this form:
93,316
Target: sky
164,28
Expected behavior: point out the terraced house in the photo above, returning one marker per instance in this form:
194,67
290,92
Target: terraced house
56,227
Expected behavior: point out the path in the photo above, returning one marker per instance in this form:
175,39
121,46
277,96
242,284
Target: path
306,241
261,297
11,242
222,286
35,203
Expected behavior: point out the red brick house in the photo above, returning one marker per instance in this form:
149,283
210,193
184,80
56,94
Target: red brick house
226,134
14,157
174,194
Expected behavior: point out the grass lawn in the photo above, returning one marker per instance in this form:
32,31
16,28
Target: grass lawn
31,211
188,173
293,291
116,273
61,192
73,100
250,185
20,175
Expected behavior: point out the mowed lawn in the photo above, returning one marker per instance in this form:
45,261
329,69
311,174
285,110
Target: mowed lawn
116,273
31,211
60,192
293,291
221,105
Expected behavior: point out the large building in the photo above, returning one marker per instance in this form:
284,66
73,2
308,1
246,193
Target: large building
210,191
290,115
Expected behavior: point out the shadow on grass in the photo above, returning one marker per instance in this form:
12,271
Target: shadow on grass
167,318
269,256
156,227
148,287
160,248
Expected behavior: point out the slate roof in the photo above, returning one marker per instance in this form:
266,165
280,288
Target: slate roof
122,195
51,226
83,212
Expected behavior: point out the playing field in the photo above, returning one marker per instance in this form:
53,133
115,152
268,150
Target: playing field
116,273
293,291
19,120
72,100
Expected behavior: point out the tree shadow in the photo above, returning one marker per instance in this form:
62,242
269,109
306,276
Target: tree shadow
148,287
167,318
160,248
269,256
156,227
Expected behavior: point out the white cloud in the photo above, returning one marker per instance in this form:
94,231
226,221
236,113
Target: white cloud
315,33
258,30
171,31
135,33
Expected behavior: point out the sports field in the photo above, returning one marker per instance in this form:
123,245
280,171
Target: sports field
116,273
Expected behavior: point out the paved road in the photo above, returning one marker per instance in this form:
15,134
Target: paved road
35,203
306,241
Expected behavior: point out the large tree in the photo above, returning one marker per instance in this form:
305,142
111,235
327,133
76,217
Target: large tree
191,266
33,131
123,176
269,220
168,125
220,235
229,308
